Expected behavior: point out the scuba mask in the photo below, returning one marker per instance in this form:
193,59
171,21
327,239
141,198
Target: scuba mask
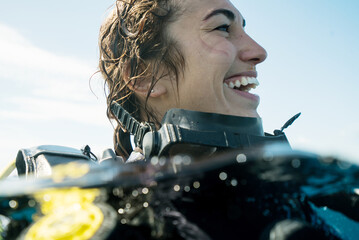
181,126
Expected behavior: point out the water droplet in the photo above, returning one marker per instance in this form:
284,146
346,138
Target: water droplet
176,188
356,191
123,221
344,165
121,211
47,197
186,160
177,160
266,212
128,205
162,161
13,204
196,184
327,159
234,182
154,160
325,208
152,183
241,158
223,176
296,163
31,203
145,204
135,193
144,190
116,191
268,156
187,189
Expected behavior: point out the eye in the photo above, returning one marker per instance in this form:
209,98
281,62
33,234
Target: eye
223,28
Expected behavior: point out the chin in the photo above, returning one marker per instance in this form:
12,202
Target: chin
253,114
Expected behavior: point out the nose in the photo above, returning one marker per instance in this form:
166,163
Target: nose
250,51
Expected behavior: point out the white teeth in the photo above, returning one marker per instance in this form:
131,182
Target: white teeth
244,81
251,80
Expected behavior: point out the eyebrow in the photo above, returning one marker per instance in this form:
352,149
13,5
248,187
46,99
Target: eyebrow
229,14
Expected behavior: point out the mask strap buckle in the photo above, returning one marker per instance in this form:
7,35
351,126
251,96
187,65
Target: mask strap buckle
130,124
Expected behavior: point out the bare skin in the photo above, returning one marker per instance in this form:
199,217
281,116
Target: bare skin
217,50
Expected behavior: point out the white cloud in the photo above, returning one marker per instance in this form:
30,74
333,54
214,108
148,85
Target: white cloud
40,90
17,52
12,36
44,85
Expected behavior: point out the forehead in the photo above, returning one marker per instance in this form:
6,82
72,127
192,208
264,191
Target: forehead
204,7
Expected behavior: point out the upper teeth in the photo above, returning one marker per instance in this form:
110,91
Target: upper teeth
244,81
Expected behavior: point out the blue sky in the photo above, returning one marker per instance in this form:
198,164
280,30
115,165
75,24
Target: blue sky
48,52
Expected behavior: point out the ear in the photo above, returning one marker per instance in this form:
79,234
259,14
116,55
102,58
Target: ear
158,90
142,86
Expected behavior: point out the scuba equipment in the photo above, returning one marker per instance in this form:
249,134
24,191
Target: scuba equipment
248,193
181,126
252,191
38,161
65,214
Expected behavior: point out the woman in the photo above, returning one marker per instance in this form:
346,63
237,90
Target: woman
163,54
195,55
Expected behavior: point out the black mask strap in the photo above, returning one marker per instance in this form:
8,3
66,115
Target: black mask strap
192,127
158,143
130,124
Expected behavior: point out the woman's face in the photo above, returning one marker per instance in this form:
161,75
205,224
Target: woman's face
220,61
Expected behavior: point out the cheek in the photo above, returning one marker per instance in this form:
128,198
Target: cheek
217,49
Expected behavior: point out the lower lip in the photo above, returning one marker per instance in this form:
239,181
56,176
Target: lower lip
248,95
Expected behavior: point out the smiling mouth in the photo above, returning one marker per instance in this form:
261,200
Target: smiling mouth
242,83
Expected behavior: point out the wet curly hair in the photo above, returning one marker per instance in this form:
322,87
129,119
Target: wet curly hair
134,45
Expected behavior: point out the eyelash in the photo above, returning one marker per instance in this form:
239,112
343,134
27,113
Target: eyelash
225,26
